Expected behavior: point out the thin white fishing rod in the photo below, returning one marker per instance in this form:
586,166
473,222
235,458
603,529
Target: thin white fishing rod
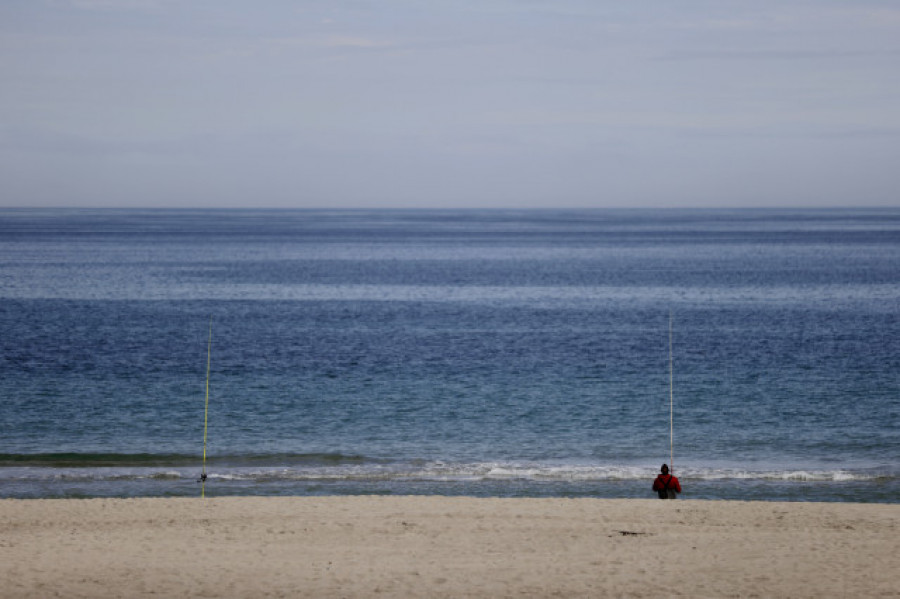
671,403
206,411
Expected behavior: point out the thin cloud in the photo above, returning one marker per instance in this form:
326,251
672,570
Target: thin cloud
331,41
120,5
776,55
41,140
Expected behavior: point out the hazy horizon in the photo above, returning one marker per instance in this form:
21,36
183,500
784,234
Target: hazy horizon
493,104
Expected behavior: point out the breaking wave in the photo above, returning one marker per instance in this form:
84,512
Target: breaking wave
340,467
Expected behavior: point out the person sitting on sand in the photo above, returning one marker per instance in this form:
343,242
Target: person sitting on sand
666,484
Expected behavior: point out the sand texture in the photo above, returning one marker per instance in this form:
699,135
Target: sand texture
446,547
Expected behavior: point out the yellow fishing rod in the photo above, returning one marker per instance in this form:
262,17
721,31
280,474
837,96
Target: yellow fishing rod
206,411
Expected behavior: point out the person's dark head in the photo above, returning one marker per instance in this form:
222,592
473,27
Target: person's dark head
664,469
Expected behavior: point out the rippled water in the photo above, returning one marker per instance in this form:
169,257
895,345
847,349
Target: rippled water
456,352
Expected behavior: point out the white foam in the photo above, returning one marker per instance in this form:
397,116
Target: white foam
459,471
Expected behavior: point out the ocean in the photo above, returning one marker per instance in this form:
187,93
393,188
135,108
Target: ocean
479,353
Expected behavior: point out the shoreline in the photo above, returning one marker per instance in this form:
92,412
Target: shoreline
418,546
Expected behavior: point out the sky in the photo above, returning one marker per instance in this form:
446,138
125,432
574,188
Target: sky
449,104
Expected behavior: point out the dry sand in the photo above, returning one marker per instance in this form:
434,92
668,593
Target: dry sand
446,547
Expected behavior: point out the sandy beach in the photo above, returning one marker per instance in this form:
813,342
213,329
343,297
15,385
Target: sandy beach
445,547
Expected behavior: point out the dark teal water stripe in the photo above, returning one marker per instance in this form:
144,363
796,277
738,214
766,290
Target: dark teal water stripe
93,460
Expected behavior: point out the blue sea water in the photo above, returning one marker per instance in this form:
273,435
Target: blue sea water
485,353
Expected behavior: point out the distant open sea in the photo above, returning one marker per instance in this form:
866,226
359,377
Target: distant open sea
481,353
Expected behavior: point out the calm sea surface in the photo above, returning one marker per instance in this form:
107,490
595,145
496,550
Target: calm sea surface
483,353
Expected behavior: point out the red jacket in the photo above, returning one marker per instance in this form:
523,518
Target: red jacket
666,481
